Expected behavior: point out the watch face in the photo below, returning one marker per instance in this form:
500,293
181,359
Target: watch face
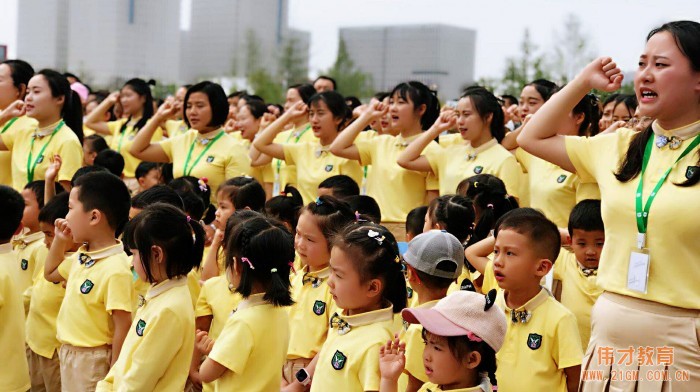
301,375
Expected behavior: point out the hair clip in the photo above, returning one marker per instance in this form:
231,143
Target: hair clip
375,235
319,201
397,259
189,219
287,194
274,270
246,260
203,184
476,184
471,336
489,206
357,216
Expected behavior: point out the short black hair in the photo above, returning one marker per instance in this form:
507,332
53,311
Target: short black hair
436,282
455,214
366,207
144,168
508,97
543,234
111,160
586,216
85,170
217,101
330,79
96,143
306,91
341,186
415,220
193,184
37,187
108,194
192,204
56,208
157,194
244,191
12,207
286,206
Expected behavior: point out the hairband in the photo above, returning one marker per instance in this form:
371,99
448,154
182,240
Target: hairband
376,236
189,219
397,259
246,260
489,206
357,216
291,266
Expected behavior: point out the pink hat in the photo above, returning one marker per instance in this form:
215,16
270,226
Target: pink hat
463,313
81,90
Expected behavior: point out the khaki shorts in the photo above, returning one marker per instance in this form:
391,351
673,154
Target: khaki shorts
45,373
83,367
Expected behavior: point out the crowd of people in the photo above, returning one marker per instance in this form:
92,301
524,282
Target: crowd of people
218,242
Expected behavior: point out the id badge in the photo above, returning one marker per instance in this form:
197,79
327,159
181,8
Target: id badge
638,270
276,185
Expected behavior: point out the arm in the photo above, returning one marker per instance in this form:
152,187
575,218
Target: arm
265,140
478,253
16,109
510,141
122,323
411,157
210,268
343,145
95,120
540,136
210,369
392,360
573,375
50,178
60,244
142,148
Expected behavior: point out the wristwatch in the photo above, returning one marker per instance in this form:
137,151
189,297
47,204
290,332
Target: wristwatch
303,377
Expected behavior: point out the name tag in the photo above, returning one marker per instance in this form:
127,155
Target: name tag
638,270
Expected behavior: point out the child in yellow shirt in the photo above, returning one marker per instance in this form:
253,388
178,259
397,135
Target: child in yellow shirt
96,312
251,349
157,350
14,374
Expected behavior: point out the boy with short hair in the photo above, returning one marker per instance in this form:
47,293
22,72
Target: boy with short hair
542,351
112,161
14,373
339,186
415,220
577,271
148,175
434,260
96,311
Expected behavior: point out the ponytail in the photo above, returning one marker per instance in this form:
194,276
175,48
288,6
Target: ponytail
491,201
199,238
72,114
420,94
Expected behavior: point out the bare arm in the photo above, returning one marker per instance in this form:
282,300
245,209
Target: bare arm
16,109
344,145
265,140
411,157
573,375
210,268
122,323
142,148
61,242
95,120
478,254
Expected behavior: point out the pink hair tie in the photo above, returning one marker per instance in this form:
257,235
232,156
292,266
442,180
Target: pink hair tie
246,260
489,206
473,338
291,265
188,219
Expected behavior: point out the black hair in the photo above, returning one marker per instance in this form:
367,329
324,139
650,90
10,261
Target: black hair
21,72
336,105
330,79
278,106
264,253
487,104
610,98
244,192
12,207
415,220
380,96
286,207
305,91
165,226
461,346
192,204
352,102
491,200
143,89
54,209
455,214
85,170
376,257
252,97
193,184
543,235
237,94
332,216
420,94
72,75
630,102
100,96
110,160
513,100
144,168
96,143
108,194
72,110
588,106
341,186
236,219
686,34
544,87
217,101
37,188
157,194
366,207
586,216
257,108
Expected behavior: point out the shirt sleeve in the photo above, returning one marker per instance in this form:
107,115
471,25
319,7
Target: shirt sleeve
8,138
435,158
71,153
203,308
511,174
234,346
65,267
567,351
368,373
364,147
414,353
238,163
523,158
588,153
560,265
587,190
167,146
120,292
291,151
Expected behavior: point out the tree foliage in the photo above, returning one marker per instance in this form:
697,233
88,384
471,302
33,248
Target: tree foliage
350,80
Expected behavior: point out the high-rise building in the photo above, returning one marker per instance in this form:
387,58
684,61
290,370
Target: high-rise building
440,56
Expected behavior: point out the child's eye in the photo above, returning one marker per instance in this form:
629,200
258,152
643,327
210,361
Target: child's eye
509,253
495,251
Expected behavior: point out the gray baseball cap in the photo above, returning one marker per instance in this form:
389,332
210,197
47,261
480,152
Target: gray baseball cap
436,253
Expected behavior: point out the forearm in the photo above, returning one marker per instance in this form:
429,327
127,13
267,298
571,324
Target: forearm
210,268
94,120
477,254
264,141
53,260
143,138
343,144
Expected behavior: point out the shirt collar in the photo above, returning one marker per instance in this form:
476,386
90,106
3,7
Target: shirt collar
344,323
22,241
5,248
89,258
435,388
322,274
524,313
683,133
473,152
204,138
320,150
405,141
46,131
160,288
586,272
251,301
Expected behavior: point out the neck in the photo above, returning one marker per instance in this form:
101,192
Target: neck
101,241
365,309
326,139
136,115
482,139
412,131
316,268
206,130
300,122
678,122
425,295
518,298
48,121
257,288
31,230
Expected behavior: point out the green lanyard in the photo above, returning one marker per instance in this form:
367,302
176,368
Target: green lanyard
186,171
279,161
643,213
8,125
31,167
121,139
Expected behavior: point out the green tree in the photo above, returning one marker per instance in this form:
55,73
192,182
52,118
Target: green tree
521,70
262,82
571,51
351,81
292,65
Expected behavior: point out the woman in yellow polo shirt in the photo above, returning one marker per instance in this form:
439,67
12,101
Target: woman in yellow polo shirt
137,103
328,114
59,114
479,118
248,121
206,151
649,265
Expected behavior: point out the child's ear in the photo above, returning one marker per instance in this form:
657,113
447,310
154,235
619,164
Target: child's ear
157,254
472,360
543,267
96,216
412,276
374,288
141,181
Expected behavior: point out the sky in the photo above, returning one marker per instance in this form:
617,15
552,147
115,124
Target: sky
615,28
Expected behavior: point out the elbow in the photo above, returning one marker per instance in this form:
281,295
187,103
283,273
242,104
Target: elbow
336,150
523,141
404,163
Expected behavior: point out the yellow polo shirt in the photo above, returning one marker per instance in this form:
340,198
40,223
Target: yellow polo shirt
349,359
253,347
31,254
578,292
456,162
449,139
121,142
671,232
396,190
284,172
430,387
553,190
93,290
548,343
261,173
216,300
225,158
6,156
14,372
412,335
314,164
157,351
175,128
43,311
310,315
64,143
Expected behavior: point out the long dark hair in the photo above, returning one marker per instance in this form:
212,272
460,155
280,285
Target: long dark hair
21,71
420,94
486,103
143,89
687,36
72,110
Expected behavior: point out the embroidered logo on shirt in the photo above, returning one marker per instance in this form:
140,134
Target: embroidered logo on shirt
409,292
40,159
478,169
338,360
690,171
24,264
534,341
561,178
329,168
210,159
87,286
141,300
319,308
467,285
140,326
